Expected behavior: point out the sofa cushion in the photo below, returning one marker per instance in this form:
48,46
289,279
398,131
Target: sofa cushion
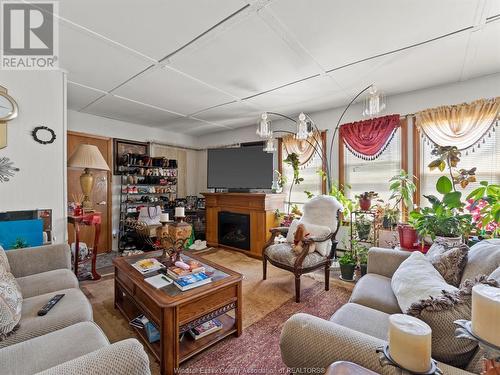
47,282
49,350
484,258
363,319
417,279
4,261
375,291
282,253
71,309
439,312
11,301
451,263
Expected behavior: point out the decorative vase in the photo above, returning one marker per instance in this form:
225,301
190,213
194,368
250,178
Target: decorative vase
407,237
347,271
365,204
449,241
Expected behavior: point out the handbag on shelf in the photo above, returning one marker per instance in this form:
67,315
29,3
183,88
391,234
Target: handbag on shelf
150,215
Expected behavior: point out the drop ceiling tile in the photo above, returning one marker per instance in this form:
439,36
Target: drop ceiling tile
245,59
428,65
79,96
229,112
125,110
154,27
94,62
340,32
166,88
204,130
482,56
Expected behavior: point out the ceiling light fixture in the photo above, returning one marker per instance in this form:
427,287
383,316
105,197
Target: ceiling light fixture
264,127
270,146
374,103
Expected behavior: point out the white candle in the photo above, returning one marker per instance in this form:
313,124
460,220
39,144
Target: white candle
179,212
410,342
163,217
486,313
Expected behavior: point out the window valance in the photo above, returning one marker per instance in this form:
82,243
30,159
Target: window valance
464,125
369,138
303,148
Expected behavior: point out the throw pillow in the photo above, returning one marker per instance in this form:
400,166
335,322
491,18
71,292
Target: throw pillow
484,258
315,231
4,262
417,279
10,304
439,312
451,264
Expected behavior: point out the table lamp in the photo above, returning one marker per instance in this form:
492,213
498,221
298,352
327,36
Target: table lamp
87,157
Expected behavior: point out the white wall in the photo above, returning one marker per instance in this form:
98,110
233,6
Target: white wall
41,181
95,125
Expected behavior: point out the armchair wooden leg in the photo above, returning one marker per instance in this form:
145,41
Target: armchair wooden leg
264,268
327,277
297,288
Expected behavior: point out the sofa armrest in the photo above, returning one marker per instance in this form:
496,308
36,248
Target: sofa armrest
385,261
310,344
124,357
33,260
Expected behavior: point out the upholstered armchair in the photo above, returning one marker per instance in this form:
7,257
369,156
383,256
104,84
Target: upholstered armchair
321,212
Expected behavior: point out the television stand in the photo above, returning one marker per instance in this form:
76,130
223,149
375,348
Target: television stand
260,207
238,190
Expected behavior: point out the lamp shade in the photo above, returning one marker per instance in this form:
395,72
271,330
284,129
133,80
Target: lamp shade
88,156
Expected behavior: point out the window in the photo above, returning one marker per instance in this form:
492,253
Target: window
373,175
486,159
312,180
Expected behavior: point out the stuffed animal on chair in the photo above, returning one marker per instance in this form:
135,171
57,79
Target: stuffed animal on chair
298,240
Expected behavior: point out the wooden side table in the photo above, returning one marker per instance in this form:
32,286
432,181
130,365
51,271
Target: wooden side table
89,219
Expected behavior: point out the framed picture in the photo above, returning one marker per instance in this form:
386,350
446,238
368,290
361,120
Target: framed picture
122,147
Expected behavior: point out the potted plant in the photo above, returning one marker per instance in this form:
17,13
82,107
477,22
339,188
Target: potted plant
347,264
402,190
484,206
390,217
365,200
363,227
445,219
362,257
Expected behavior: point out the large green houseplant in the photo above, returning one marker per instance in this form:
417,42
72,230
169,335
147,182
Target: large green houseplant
445,217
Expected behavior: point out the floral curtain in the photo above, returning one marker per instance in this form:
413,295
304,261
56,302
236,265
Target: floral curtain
369,138
464,125
303,148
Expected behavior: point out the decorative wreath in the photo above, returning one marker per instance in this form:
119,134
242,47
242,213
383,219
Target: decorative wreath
35,131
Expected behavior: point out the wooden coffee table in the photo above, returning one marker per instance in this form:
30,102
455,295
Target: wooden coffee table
175,312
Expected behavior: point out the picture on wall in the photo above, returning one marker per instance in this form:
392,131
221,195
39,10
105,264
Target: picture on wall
123,150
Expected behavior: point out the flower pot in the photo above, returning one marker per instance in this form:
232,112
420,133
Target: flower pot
449,241
407,237
365,204
363,268
388,223
347,271
363,230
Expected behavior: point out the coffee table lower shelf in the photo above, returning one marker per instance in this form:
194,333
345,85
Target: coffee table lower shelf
188,346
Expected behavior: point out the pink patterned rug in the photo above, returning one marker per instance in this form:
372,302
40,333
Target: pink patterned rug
257,349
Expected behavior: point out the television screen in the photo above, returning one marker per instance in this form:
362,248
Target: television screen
246,167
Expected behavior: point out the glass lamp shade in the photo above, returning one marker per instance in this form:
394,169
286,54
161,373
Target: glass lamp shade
302,128
374,103
270,146
264,127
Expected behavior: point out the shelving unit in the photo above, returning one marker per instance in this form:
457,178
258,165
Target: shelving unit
143,186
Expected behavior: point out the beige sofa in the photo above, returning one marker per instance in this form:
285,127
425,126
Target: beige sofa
65,341
359,327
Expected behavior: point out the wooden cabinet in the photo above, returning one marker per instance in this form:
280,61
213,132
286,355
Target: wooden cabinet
259,206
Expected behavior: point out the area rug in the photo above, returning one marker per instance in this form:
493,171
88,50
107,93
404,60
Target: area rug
266,306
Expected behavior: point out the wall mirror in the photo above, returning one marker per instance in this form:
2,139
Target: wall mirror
8,111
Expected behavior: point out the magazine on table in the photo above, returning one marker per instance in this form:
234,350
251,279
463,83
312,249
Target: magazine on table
147,265
192,281
205,329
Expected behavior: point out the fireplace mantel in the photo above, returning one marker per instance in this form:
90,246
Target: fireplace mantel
259,206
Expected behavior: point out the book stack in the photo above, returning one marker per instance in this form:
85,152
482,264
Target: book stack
206,329
192,281
188,275
147,265
194,267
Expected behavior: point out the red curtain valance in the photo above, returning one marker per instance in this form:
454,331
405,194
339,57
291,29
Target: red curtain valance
369,138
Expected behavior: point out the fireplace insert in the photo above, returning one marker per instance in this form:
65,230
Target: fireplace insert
234,230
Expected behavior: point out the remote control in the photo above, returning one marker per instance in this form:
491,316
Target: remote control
44,310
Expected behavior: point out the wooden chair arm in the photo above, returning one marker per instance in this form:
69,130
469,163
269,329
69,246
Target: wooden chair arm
274,233
279,230
317,239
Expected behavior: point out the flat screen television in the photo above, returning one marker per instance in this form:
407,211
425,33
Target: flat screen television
242,168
